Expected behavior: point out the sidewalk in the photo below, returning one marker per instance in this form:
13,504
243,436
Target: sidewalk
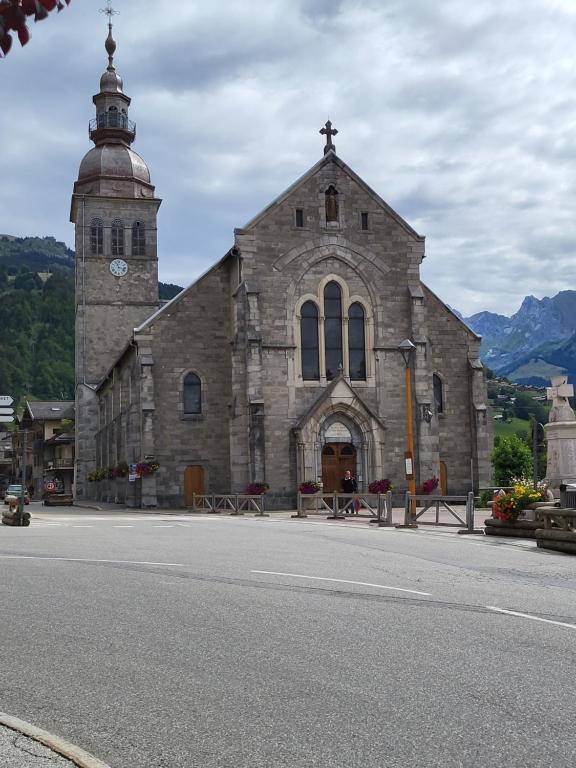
24,746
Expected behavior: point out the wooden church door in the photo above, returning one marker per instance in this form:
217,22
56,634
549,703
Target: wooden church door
193,483
337,458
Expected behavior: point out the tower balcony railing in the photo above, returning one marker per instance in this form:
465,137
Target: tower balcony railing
112,121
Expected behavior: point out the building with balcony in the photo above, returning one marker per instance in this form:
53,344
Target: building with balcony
50,445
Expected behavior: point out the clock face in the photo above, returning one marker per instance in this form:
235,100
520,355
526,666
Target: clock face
118,267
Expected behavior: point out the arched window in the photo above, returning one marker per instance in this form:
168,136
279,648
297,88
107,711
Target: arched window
117,238
356,342
309,341
438,393
333,329
192,394
97,237
113,117
138,239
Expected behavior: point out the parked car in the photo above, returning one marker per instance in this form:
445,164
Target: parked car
16,490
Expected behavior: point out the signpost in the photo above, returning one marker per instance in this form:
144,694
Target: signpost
6,413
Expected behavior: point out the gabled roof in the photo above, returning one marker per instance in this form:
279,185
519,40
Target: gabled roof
332,157
179,296
451,312
50,410
326,394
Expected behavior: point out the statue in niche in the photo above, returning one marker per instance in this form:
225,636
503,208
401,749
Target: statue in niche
331,196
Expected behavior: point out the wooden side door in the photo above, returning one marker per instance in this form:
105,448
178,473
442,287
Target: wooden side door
193,483
443,479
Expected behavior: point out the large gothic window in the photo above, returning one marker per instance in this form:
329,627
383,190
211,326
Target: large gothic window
309,342
356,343
97,237
117,238
138,239
333,329
438,393
192,394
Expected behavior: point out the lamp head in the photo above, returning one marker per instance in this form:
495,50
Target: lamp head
406,349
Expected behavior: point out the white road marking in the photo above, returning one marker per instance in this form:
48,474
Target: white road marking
122,526
85,560
162,526
344,581
529,616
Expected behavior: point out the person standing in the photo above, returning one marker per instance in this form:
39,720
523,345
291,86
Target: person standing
349,485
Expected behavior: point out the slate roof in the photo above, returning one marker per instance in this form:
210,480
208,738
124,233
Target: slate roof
46,410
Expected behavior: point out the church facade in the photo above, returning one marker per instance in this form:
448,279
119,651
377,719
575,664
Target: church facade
281,364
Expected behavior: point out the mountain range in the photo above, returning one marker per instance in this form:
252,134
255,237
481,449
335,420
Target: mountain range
535,343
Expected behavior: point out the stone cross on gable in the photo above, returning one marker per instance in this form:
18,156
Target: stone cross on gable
560,390
328,131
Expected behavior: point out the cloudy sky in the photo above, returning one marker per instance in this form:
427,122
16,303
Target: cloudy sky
461,115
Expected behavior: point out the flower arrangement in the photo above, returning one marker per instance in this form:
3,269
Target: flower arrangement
120,470
508,506
430,485
256,489
104,473
380,486
147,468
310,486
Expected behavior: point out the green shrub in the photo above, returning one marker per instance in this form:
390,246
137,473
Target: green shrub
511,458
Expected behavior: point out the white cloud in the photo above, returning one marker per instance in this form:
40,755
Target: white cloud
459,114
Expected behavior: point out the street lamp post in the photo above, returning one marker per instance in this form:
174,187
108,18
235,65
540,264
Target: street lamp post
406,349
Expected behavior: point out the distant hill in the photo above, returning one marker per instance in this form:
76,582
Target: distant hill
37,317
537,342
38,254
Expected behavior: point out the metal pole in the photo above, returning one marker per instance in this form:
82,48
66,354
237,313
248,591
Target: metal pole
410,431
535,451
21,504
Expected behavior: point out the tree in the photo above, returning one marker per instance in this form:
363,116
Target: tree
511,458
13,15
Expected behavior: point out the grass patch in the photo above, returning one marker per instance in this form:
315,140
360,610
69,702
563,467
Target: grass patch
511,427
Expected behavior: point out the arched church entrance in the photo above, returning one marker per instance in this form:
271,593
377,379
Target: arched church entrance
337,458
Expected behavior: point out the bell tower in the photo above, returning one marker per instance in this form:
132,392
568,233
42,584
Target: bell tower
114,209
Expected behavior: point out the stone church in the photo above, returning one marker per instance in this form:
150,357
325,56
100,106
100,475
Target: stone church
281,363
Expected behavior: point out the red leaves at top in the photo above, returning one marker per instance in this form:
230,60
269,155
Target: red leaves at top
13,15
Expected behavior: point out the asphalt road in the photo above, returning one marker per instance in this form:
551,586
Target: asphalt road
198,641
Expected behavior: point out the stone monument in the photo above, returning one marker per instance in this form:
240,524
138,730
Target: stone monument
561,434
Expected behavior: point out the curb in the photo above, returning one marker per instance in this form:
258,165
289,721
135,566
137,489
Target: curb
78,756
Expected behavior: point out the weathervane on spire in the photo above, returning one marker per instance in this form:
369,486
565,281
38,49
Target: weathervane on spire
110,42
109,11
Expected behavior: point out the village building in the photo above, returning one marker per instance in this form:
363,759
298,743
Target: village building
281,363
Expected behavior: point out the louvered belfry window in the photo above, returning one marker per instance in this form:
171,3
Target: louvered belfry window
117,238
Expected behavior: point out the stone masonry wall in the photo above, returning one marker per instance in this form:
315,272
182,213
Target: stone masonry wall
193,335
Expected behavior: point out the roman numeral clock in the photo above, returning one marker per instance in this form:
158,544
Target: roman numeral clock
118,267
